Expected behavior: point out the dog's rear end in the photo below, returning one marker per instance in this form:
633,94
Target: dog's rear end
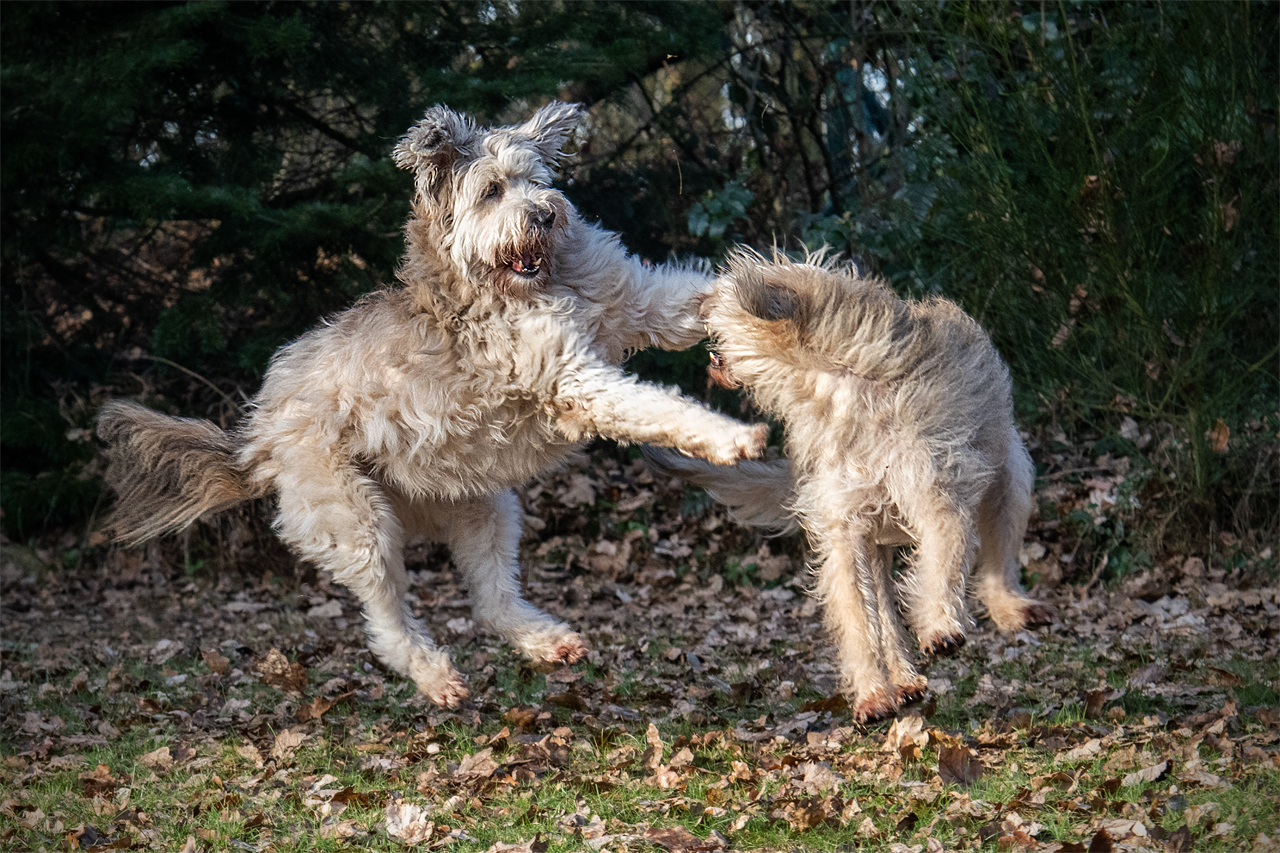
166,471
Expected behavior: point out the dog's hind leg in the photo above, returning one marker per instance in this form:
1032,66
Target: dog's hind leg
908,683
935,588
1002,521
484,537
342,521
850,594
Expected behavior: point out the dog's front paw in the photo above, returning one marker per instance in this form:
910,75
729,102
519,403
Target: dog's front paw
747,442
752,442
913,692
1037,613
449,693
872,707
558,647
436,678
943,645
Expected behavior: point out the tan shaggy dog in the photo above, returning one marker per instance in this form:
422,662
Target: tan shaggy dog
899,425
418,410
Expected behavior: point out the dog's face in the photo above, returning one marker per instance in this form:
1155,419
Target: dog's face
491,191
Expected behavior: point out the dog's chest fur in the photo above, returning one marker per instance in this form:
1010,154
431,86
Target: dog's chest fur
438,404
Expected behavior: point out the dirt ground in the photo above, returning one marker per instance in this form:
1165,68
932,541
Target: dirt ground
208,694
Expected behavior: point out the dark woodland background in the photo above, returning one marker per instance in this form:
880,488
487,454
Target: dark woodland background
187,187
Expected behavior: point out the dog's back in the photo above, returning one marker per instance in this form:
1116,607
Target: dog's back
858,373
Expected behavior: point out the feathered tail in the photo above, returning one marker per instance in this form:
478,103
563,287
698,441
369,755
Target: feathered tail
166,471
757,494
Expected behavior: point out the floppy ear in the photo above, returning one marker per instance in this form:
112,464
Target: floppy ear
763,300
431,146
551,126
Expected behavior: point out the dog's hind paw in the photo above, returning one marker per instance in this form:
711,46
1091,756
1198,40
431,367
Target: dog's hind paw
873,707
942,647
571,650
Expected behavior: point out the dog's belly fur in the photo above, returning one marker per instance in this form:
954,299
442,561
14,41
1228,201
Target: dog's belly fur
511,445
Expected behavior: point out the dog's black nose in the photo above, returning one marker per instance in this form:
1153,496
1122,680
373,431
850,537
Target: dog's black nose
545,218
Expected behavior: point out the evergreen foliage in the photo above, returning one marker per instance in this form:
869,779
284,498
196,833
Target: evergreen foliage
185,187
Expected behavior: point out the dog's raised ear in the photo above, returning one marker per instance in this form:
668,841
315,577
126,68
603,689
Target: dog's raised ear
764,300
431,146
551,126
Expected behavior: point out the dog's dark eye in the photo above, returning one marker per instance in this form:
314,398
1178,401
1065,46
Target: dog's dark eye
493,191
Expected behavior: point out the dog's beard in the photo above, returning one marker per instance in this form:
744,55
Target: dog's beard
523,269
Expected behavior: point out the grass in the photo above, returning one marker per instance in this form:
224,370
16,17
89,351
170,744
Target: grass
106,662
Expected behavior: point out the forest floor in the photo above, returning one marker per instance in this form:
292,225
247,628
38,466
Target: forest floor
150,700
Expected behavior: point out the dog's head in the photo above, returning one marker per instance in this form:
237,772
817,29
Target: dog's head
491,192
757,313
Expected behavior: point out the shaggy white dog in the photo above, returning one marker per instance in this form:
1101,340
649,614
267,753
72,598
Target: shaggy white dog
899,422
418,410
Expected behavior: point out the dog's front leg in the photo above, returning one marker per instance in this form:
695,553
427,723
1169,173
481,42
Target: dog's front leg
599,399
935,588
661,309
850,593
337,518
909,684
484,538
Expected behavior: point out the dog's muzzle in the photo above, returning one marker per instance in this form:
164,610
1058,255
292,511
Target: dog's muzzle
719,372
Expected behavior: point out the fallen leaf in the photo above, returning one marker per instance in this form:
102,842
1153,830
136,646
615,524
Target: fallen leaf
1089,749
653,754
677,839
279,672
98,781
534,846
216,661
286,743
522,718
478,766
333,828
906,732
959,766
409,823
250,753
331,609
1147,774
1179,841
313,710
682,758
159,759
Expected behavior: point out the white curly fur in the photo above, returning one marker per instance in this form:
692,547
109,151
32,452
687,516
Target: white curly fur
419,409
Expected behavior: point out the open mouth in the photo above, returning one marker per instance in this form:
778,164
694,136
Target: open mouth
527,265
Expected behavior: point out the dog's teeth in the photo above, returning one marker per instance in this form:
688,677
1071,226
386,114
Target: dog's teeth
527,266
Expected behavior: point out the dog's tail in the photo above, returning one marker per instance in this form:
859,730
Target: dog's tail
167,472
758,494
